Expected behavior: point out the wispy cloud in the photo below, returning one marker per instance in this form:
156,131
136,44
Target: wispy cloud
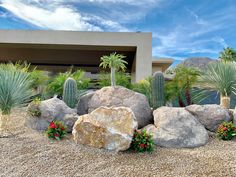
58,16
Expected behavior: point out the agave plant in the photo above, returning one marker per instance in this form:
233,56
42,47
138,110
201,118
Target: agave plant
15,90
220,77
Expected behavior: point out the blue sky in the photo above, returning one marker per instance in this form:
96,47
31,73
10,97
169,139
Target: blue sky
181,28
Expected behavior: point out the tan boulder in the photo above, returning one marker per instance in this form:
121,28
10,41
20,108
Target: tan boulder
110,128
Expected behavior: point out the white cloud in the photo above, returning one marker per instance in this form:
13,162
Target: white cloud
58,16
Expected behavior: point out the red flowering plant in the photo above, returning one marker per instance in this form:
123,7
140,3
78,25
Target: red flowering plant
142,141
56,130
226,131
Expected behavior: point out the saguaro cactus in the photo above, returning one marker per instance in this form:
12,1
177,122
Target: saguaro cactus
158,83
69,92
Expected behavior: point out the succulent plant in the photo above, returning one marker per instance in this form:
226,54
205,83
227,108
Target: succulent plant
70,92
158,83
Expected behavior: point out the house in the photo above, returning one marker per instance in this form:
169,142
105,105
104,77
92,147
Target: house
56,50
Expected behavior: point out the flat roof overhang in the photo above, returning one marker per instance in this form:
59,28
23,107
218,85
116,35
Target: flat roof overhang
165,63
41,47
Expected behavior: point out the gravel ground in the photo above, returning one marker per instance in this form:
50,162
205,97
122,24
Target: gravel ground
29,153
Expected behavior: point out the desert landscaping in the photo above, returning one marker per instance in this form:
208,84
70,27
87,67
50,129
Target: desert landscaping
30,153
54,128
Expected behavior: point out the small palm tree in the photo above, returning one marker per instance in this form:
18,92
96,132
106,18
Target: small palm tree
228,55
114,62
15,90
220,77
182,84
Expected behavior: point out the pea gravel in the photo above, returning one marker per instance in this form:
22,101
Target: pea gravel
30,153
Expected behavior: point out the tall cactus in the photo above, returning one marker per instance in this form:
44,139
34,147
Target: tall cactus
70,92
158,83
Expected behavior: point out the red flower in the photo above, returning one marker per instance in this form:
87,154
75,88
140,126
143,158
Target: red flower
52,125
56,134
225,128
142,145
62,128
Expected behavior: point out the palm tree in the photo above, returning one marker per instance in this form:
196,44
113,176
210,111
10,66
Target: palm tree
15,90
220,77
181,85
228,55
114,62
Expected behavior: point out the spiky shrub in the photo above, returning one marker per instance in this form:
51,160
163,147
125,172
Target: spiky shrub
56,84
228,55
158,84
220,77
142,141
33,108
15,87
226,131
56,130
70,92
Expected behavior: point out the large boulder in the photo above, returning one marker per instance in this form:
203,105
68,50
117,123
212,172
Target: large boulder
110,128
82,106
120,96
211,115
177,128
234,116
51,110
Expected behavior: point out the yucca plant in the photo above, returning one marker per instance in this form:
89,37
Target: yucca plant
115,62
220,77
15,91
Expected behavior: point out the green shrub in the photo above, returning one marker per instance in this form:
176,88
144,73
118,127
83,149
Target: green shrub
122,79
33,108
145,87
55,86
39,78
226,131
142,141
56,130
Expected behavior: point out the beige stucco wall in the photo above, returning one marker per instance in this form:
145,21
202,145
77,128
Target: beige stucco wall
142,67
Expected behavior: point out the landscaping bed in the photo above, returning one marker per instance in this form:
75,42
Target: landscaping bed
28,153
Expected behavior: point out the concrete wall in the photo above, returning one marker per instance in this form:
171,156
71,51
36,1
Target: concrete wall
141,42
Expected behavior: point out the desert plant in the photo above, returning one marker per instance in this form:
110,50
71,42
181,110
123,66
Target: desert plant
33,108
158,83
15,90
181,85
115,62
228,55
55,86
56,130
220,77
38,77
142,141
226,131
145,87
69,92
122,79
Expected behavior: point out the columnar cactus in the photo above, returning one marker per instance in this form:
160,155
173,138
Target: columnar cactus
69,92
158,83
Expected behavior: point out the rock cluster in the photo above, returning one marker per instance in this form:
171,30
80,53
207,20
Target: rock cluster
118,96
